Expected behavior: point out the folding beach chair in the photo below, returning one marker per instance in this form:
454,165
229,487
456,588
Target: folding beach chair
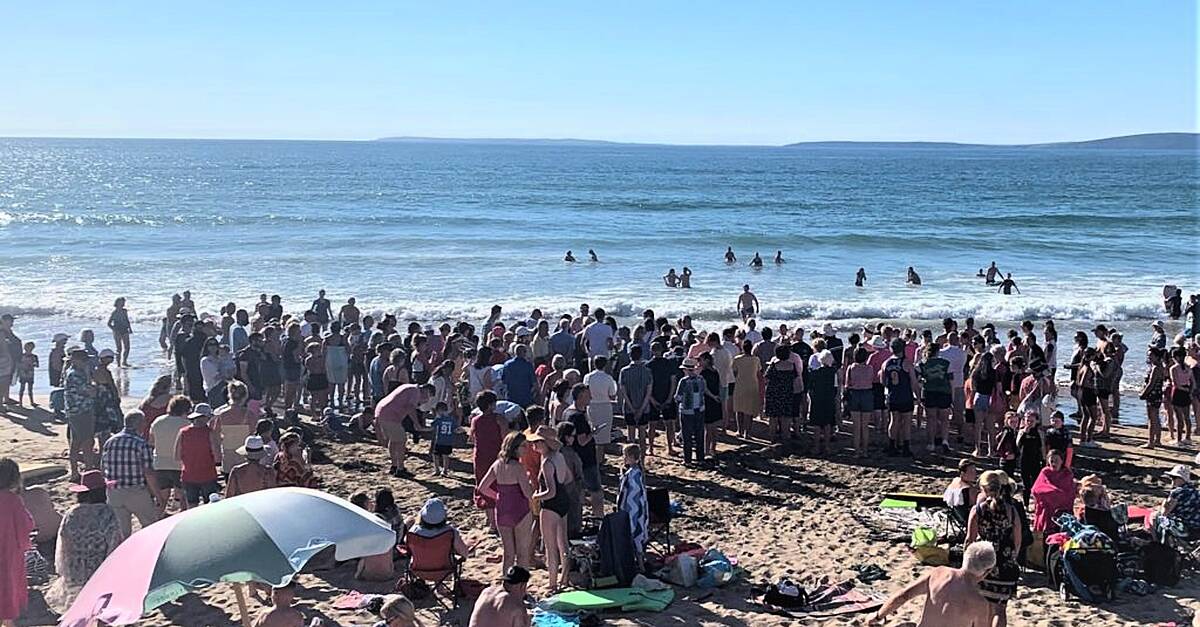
433,561
659,502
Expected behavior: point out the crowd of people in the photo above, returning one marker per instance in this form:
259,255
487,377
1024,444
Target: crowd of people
542,399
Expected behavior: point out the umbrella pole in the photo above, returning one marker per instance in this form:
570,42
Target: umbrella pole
240,590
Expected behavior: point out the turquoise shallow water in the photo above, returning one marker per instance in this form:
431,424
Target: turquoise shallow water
435,231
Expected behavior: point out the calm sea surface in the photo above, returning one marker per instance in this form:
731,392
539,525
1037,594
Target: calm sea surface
434,231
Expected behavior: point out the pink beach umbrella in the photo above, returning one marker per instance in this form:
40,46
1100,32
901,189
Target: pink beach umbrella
264,536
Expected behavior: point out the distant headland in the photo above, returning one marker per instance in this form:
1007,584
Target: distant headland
1145,141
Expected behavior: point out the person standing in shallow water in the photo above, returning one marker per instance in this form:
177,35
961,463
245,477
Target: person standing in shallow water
685,279
729,256
747,303
756,262
913,277
779,258
592,256
1008,285
569,258
860,278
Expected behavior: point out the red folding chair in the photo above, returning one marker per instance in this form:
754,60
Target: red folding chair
433,561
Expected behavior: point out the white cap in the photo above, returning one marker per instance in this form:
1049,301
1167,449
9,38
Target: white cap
201,409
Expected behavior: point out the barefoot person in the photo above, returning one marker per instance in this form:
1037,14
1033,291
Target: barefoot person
507,483
729,256
503,604
554,479
952,597
398,414
747,303
118,323
860,277
1008,285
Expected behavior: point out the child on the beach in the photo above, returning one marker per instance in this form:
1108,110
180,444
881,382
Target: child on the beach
444,427
1006,444
1058,437
25,370
631,498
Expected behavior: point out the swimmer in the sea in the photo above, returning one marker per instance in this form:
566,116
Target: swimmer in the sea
592,256
569,258
729,256
1008,285
860,278
671,279
757,262
992,272
685,279
779,258
913,277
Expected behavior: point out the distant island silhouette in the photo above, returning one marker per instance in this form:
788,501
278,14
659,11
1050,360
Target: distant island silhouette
1145,141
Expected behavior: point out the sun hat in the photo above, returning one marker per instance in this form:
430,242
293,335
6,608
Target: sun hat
60,337
689,364
201,409
107,354
1180,472
827,329
524,332
878,343
91,480
433,512
253,448
1157,324
547,434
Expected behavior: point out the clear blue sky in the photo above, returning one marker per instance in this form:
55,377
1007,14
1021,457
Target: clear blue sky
685,72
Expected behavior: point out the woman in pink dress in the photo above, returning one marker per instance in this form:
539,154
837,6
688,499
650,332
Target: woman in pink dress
15,526
487,432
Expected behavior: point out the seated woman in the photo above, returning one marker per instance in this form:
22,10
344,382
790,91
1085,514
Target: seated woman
963,491
1093,508
291,464
1183,503
1053,493
432,523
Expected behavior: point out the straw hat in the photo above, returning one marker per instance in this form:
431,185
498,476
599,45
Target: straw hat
547,434
689,364
253,448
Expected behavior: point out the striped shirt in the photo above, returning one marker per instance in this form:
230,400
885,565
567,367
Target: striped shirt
125,459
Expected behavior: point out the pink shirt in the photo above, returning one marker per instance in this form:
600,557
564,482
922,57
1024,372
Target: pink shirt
859,377
402,402
877,359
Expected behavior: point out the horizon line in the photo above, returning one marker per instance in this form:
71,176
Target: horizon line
567,140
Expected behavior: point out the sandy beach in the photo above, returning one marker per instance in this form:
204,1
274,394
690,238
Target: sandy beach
775,509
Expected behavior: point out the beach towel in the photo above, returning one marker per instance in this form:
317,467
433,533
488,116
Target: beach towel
842,598
1053,493
616,549
625,599
631,499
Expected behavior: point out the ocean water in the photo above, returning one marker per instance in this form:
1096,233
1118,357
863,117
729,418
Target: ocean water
436,231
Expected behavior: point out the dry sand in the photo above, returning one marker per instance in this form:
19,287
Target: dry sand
777,510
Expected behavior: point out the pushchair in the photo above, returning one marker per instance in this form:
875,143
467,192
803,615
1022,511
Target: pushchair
1081,561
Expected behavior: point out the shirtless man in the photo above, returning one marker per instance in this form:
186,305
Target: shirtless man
283,614
1008,285
992,272
729,256
913,277
747,303
349,313
779,258
952,594
757,262
322,307
671,279
503,604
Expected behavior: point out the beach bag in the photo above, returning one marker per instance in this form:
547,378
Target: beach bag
716,569
37,569
1161,564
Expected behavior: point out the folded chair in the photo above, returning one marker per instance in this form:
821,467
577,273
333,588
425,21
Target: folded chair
433,561
658,500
